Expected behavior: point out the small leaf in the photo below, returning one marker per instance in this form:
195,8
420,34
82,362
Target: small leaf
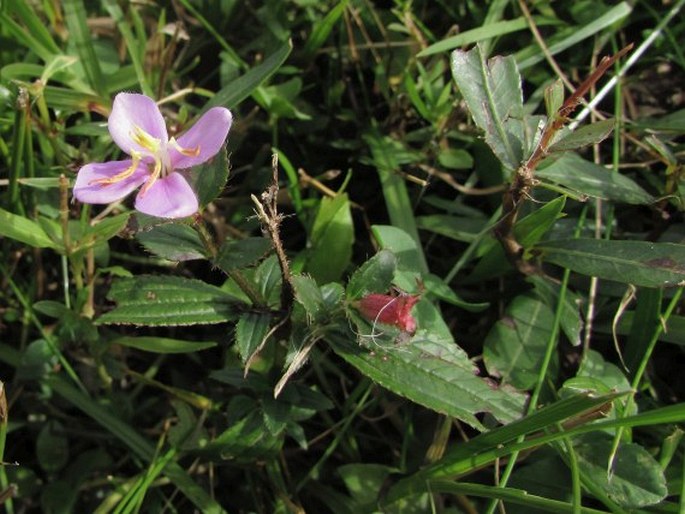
309,295
515,347
374,276
588,178
173,241
331,240
168,301
162,344
554,98
250,332
24,230
455,159
241,253
637,479
210,178
640,263
584,136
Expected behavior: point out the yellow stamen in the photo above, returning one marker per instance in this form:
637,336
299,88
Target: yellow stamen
145,140
188,152
153,177
135,160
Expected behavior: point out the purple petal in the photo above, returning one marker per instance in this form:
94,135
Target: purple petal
168,197
86,191
130,111
208,134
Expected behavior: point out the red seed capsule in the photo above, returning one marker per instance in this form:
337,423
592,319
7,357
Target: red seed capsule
390,310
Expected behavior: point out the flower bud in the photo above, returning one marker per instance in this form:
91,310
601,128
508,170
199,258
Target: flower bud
390,310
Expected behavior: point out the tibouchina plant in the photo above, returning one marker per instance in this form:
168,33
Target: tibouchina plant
138,128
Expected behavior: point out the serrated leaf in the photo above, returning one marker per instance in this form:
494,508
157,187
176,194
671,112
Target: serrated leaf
308,294
331,240
640,263
163,344
374,276
515,347
588,178
24,230
168,301
241,253
637,479
173,241
250,332
433,371
492,91
584,136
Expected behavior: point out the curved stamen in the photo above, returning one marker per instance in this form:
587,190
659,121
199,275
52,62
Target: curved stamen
135,160
145,140
188,152
156,172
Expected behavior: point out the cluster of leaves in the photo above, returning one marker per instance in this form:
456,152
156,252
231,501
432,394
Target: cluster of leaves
150,363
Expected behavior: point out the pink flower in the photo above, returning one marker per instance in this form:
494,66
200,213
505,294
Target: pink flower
391,310
137,127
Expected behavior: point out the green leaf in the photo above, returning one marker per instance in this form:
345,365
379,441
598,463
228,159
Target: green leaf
241,253
493,94
640,263
250,332
322,29
24,230
433,371
210,178
637,479
80,35
162,344
405,249
168,301
515,347
331,240
571,321
455,159
308,294
232,94
374,276
584,136
588,178
173,241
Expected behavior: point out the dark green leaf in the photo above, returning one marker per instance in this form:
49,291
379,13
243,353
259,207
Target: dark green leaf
433,371
24,230
584,136
590,179
374,276
163,344
173,241
492,91
309,295
636,481
210,178
52,446
250,332
241,253
640,263
168,301
514,349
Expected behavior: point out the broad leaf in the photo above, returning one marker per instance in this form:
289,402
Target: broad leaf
584,136
637,479
514,349
210,178
250,332
168,301
433,371
640,263
241,253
